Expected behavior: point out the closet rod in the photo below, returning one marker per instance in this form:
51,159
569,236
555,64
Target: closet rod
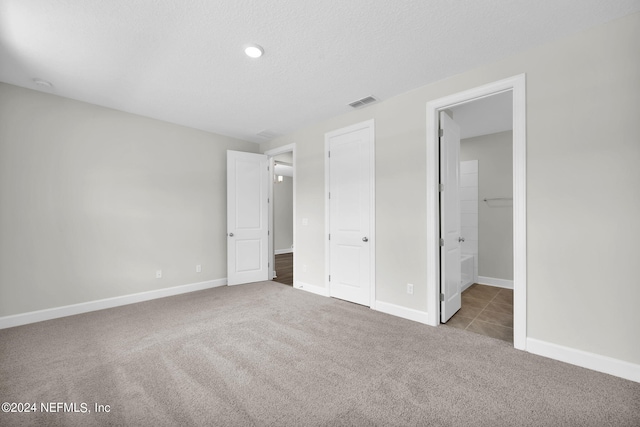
499,198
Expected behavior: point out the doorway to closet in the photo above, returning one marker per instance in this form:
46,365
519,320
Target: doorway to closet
476,184
485,212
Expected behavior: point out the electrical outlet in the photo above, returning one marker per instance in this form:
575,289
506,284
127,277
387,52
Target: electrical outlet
410,288
198,268
304,268
158,274
305,221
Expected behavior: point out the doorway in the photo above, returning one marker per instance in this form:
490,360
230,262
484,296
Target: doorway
485,213
282,214
436,271
282,206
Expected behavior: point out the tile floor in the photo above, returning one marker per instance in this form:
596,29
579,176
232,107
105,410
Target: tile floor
486,310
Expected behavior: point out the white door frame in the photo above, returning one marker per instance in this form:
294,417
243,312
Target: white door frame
271,154
372,212
517,85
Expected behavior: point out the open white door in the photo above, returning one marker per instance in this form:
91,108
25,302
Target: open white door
350,198
247,217
450,232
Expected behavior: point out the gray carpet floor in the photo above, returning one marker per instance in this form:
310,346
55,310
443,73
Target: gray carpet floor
266,354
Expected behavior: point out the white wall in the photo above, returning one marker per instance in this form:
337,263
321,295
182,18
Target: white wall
93,201
494,154
283,215
583,102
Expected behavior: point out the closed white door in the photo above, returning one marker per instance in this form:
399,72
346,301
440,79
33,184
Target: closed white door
350,202
247,217
450,229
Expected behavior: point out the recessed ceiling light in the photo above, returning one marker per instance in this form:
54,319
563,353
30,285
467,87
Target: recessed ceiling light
41,82
253,50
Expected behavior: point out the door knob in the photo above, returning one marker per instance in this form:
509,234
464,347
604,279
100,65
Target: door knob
364,239
230,234
460,239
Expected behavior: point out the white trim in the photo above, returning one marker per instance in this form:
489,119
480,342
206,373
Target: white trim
327,216
283,251
370,124
318,290
271,244
596,362
404,312
101,304
517,85
271,153
372,216
519,212
492,281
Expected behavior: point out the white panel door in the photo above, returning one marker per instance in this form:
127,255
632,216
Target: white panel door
350,205
247,217
450,268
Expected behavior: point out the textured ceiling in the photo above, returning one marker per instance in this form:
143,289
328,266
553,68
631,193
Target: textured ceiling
182,61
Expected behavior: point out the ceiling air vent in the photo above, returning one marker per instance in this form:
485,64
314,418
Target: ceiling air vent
268,134
362,102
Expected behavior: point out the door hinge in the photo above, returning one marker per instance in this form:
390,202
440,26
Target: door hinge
441,297
329,236
268,232
441,133
441,242
328,153
268,167
329,194
441,187
329,277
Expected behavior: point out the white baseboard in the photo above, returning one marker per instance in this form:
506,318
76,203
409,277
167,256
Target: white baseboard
70,310
491,281
404,312
283,251
312,288
596,362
